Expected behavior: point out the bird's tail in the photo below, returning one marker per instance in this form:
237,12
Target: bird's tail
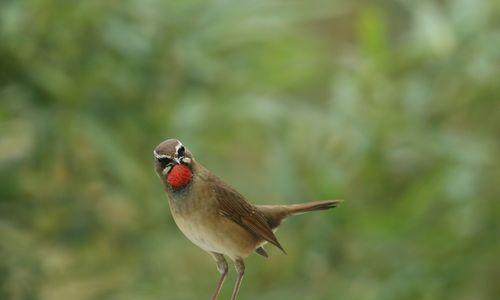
296,209
277,213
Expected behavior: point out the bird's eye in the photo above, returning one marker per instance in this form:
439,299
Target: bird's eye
181,151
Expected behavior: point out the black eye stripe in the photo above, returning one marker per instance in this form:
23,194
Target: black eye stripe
164,160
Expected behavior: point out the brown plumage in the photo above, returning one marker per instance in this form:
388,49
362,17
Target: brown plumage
217,218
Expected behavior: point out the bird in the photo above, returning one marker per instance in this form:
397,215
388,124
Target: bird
215,216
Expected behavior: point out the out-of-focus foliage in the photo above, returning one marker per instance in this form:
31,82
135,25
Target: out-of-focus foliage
391,105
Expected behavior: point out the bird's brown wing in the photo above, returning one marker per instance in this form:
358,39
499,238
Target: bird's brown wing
233,206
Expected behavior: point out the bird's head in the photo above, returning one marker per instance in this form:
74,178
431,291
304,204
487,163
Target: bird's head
174,163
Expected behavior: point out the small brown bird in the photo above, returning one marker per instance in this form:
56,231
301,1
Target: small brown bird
217,218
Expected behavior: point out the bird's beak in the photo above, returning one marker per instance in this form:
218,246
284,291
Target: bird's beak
175,161
169,167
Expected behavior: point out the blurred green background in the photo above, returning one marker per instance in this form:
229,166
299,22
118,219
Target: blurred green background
391,105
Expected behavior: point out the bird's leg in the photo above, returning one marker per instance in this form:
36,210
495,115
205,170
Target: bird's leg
222,267
240,269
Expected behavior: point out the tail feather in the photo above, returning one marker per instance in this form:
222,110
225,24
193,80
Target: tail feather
276,213
296,209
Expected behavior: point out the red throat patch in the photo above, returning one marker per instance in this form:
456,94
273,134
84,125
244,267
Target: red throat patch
179,176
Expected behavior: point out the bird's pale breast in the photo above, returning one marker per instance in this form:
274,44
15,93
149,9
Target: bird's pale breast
200,221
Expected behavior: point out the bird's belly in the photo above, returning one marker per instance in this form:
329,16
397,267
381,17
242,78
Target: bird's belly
197,234
216,233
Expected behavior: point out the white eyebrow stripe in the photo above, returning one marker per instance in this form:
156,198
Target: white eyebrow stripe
160,155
